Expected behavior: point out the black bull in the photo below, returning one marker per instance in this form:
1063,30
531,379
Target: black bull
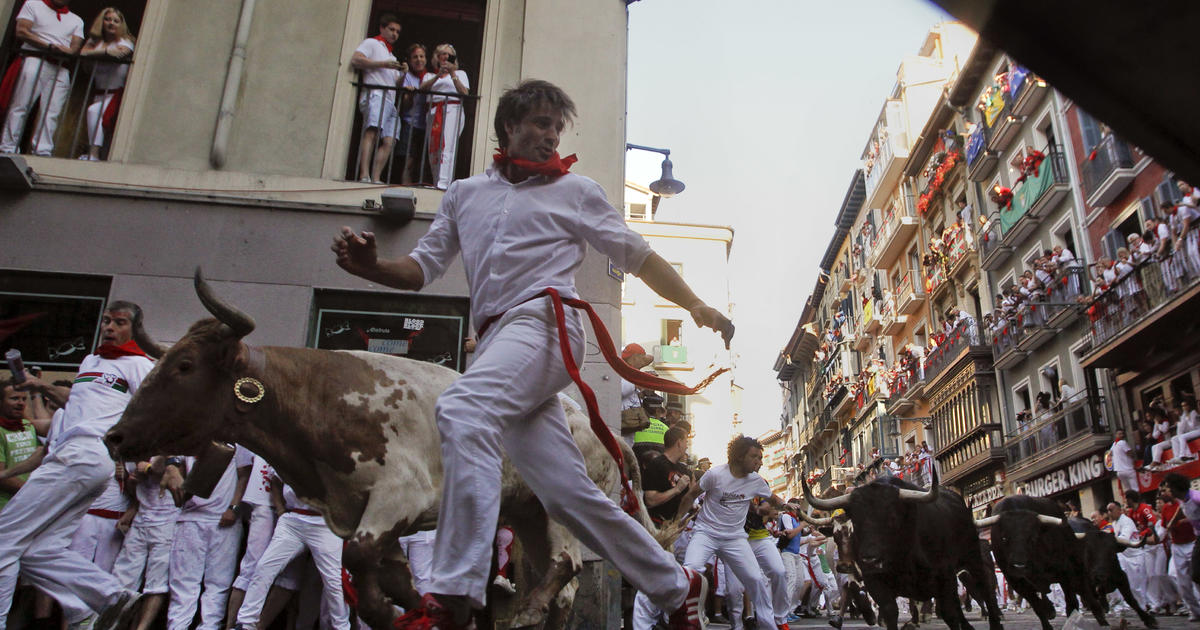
1104,570
913,543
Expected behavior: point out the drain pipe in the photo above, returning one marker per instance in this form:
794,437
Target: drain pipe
233,83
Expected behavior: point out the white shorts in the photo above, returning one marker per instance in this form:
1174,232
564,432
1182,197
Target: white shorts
378,109
146,552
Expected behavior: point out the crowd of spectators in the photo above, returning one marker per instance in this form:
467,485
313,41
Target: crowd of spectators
1165,427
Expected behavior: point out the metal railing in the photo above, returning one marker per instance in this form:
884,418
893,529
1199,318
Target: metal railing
58,109
432,136
1109,155
1137,293
1077,416
964,334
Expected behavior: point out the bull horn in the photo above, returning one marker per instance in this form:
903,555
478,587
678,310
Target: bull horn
1080,535
1049,520
147,343
814,521
828,505
1129,543
920,496
987,522
238,322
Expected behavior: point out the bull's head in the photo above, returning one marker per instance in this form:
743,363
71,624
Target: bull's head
883,521
841,531
1101,549
187,400
1016,535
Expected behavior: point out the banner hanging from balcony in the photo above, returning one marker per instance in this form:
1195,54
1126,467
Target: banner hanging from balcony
936,180
993,106
1016,78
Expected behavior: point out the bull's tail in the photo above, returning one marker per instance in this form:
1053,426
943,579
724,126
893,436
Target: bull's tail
667,533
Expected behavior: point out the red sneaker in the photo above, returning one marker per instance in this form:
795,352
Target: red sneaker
690,615
431,615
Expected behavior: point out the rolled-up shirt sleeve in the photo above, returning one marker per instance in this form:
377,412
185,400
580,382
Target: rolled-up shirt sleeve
604,228
437,249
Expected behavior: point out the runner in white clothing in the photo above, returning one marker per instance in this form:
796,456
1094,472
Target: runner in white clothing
40,518
728,490
522,230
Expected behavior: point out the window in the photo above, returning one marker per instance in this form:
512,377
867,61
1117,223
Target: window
94,85
636,211
1167,191
418,158
1048,375
672,332
1090,129
424,328
54,319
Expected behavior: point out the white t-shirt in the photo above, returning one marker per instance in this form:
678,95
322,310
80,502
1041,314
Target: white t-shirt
101,391
726,501
48,26
211,509
446,84
293,502
258,489
629,396
376,50
112,498
1122,456
155,505
110,75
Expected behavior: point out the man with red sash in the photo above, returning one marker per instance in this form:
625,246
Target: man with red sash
43,26
40,518
522,229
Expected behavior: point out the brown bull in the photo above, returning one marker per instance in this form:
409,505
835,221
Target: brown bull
354,434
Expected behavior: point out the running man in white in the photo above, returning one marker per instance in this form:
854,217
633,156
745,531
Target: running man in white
719,526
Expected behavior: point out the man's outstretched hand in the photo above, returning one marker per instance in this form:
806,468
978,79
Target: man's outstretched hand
706,316
356,253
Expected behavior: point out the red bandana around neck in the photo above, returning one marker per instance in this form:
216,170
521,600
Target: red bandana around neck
12,425
379,37
127,349
61,11
554,167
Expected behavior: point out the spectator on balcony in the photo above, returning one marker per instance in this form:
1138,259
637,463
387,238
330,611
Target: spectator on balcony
379,68
1161,433
446,116
1139,249
1188,429
959,317
49,29
1122,462
1183,224
1129,289
108,37
1066,393
966,214
412,120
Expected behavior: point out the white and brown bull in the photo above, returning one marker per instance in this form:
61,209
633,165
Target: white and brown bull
354,434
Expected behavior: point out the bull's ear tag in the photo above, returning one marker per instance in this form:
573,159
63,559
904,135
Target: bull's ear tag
249,390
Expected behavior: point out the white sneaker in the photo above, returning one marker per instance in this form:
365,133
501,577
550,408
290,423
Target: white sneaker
365,180
505,584
120,613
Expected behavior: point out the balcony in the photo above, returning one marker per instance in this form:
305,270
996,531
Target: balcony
862,341
871,321
1062,307
993,251
670,355
1045,439
1107,171
894,324
905,393
980,161
909,298
897,232
1005,125
1143,297
1033,199
886,152
1046,188
935,280
944,355
1005,352
959,252
1027,90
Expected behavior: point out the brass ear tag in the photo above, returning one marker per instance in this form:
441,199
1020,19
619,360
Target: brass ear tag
248,382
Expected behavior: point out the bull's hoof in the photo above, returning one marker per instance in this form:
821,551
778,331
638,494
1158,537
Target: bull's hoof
836,621
529,618
1150,621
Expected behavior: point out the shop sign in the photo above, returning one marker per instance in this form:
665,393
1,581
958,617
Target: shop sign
985,496
1069,477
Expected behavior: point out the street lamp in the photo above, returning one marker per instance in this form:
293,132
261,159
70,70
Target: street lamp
667,185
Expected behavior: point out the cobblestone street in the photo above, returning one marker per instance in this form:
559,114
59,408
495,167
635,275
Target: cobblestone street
1012,621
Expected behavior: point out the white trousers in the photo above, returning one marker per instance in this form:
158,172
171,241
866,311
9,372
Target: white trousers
740,560
38,522
771,563
39,81
258,536
507,402
1160,589
95,115
796,567
418,548
1133,562
1181,565
441,162
203,554
293,534
646,614
146,554
98,540
1179,444
823,584
1129,481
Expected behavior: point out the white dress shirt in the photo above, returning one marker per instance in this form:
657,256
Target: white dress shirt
518,239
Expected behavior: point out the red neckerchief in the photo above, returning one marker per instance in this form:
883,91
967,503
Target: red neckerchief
554,167
12,425
379,37
127,349
61,11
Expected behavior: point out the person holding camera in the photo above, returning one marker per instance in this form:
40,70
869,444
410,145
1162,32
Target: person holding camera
381,71
446,116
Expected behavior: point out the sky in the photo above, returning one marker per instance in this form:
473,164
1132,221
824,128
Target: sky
766,106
